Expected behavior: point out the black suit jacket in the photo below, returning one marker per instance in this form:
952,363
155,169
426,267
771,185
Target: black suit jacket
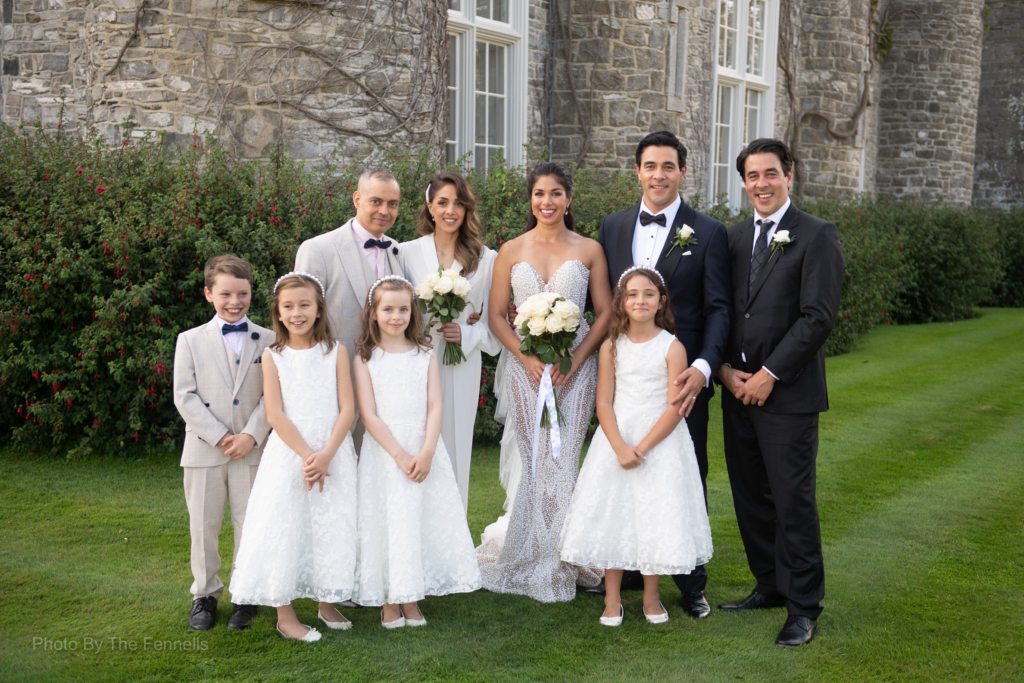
790,311
698,282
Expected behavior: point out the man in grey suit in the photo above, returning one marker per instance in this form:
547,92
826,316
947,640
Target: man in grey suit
351,258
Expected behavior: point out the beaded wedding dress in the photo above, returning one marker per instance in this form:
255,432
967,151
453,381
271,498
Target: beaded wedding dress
525,558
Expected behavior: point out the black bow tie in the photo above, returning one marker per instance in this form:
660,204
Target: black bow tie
383,244
647,219
240,327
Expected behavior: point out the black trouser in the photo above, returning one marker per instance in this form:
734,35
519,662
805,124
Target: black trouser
771,461
697,423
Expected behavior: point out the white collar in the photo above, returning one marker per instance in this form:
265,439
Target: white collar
776,217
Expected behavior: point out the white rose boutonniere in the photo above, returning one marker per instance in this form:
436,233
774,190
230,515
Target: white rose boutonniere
684,238
779,242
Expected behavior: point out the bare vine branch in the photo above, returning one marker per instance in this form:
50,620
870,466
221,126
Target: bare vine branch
139,11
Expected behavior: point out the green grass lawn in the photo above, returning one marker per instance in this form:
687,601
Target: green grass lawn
921,491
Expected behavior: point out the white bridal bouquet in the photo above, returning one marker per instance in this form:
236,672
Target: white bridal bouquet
548,324
442,296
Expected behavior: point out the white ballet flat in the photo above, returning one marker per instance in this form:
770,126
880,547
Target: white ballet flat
336,625
613,621
657,618
414,622
312,635
397,623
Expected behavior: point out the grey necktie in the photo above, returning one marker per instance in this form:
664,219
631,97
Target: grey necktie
760,252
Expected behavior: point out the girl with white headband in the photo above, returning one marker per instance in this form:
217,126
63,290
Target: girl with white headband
413,536
639,502
299,539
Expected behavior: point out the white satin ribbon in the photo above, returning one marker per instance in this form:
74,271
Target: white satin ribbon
546,398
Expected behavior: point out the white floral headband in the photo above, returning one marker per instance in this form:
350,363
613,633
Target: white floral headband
369,297
304,274
633,269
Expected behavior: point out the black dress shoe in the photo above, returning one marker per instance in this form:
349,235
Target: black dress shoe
204,613
591,590
695,604
241,617
797,631
753,601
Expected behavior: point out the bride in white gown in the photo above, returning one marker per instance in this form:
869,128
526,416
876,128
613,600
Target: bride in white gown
548,257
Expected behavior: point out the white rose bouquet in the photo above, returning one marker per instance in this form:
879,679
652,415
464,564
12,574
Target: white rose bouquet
442,297
548,324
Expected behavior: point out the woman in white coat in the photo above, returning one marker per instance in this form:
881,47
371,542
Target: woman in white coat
451,238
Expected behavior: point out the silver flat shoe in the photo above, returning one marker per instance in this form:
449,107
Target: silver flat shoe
336,625
657,618
312,635
613,621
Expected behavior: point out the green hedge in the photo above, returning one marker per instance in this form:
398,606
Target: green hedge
102,251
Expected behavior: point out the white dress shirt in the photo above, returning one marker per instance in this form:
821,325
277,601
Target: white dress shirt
648,243
649,240
374,255
776,218
234,340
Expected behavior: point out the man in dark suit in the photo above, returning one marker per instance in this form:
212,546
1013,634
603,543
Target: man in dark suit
787,276
697,274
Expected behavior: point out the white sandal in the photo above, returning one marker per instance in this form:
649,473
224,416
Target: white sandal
613,621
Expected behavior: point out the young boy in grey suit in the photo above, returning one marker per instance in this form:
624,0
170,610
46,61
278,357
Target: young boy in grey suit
218,389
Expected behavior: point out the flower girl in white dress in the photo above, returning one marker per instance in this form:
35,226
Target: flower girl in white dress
638,502
413,536
299,539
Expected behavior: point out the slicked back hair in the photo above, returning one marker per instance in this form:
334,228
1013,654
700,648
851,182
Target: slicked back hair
762,146
662,138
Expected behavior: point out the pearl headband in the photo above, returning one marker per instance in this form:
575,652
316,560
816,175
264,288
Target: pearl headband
369,297
304,274
633,269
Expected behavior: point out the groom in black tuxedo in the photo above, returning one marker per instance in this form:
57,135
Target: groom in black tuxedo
787,276
698,276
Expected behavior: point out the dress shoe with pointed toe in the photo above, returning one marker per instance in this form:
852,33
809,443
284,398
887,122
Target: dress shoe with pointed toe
312,635
204,613
696,604
241,617
342,625
753,601
797,631
613,621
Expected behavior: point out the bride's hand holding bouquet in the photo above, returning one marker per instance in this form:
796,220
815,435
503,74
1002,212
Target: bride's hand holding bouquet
548,323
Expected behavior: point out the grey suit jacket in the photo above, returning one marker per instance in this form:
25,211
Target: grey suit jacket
341,265
210,402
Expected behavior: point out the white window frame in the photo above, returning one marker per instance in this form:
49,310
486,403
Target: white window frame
467,28
740,80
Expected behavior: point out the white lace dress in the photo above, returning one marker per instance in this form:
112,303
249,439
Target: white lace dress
651,518
413,538
525,558
299,543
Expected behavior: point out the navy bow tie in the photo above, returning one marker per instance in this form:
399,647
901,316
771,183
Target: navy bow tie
240,327
647,219
383,244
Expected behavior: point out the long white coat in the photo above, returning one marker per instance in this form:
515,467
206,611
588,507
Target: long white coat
460,384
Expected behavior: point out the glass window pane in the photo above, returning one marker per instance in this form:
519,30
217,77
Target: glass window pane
453,99
480,157
481,118
450,156
483,8
500,10
722,135
496,69
751,118
454,4
453,66
727,34
481,66
755,37
496,124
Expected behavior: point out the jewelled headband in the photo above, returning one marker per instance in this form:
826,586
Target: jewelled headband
369,297
314,278
633,269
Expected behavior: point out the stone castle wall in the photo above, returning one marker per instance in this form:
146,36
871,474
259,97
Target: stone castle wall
339,76
928,109
999,155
